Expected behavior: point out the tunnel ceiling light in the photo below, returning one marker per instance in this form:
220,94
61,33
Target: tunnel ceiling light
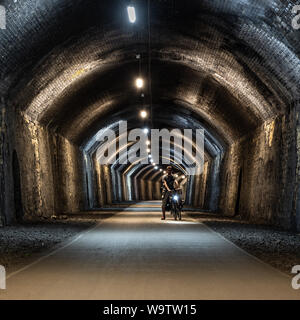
146,130
139,82
148,150
131,14
150,156
144,114
153,163
147,142
151,160
156,167
160,170
183,177
165,172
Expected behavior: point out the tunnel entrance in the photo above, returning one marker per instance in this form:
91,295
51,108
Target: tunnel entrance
19,213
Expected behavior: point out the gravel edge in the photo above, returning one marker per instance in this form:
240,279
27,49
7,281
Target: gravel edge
24,243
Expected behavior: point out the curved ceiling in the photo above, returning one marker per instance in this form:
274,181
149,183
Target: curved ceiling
226,66
215,48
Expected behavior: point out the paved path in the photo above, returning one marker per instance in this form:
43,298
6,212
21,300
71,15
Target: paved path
135,255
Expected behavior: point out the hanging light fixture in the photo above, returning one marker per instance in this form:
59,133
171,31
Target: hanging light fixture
131,14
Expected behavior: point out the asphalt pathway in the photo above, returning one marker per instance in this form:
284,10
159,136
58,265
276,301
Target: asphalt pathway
135,255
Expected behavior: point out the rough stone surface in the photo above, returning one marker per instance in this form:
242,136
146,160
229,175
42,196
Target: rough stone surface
51,171
267,159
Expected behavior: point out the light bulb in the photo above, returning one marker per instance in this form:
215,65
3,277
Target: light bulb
131,14
139,82
143,114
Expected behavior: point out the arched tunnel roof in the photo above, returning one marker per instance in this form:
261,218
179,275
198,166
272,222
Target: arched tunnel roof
71,65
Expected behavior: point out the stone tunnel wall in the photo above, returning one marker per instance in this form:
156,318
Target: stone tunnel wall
51,170
52,177
264,164
200,190
7,207
102,184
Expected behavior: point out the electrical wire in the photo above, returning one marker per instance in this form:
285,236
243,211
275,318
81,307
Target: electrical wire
149,64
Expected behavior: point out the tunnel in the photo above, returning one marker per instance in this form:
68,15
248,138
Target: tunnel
229,69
